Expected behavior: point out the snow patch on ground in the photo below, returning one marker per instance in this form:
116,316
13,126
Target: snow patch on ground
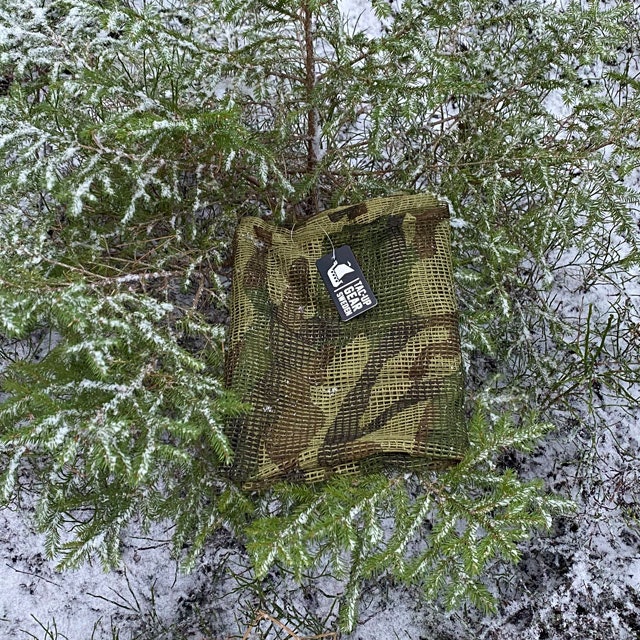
83,602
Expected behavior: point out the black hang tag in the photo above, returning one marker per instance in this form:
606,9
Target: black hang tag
346,283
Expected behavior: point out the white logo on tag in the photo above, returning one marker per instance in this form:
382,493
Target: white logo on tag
345,282
337,271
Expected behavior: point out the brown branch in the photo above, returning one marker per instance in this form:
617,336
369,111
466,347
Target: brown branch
263,615
310,79
34,575
312,115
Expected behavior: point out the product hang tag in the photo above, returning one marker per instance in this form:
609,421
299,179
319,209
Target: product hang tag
346,283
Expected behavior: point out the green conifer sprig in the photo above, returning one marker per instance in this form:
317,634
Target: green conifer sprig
117,415
443,538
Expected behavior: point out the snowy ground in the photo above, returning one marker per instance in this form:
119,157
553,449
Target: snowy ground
581,581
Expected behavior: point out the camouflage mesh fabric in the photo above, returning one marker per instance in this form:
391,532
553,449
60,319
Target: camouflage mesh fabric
329,396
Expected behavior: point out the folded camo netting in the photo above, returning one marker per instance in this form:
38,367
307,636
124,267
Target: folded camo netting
330,396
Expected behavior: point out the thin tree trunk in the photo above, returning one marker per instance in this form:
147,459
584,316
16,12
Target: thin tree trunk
312,113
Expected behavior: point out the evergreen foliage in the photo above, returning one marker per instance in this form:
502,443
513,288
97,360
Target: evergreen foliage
133,135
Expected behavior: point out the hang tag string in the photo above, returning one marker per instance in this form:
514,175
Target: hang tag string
333,249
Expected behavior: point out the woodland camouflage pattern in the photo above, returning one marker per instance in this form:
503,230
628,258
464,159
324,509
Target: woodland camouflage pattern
329,396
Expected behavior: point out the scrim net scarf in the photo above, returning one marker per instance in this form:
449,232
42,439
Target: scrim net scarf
327,396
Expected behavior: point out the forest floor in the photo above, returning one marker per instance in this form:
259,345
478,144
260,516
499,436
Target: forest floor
582,580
